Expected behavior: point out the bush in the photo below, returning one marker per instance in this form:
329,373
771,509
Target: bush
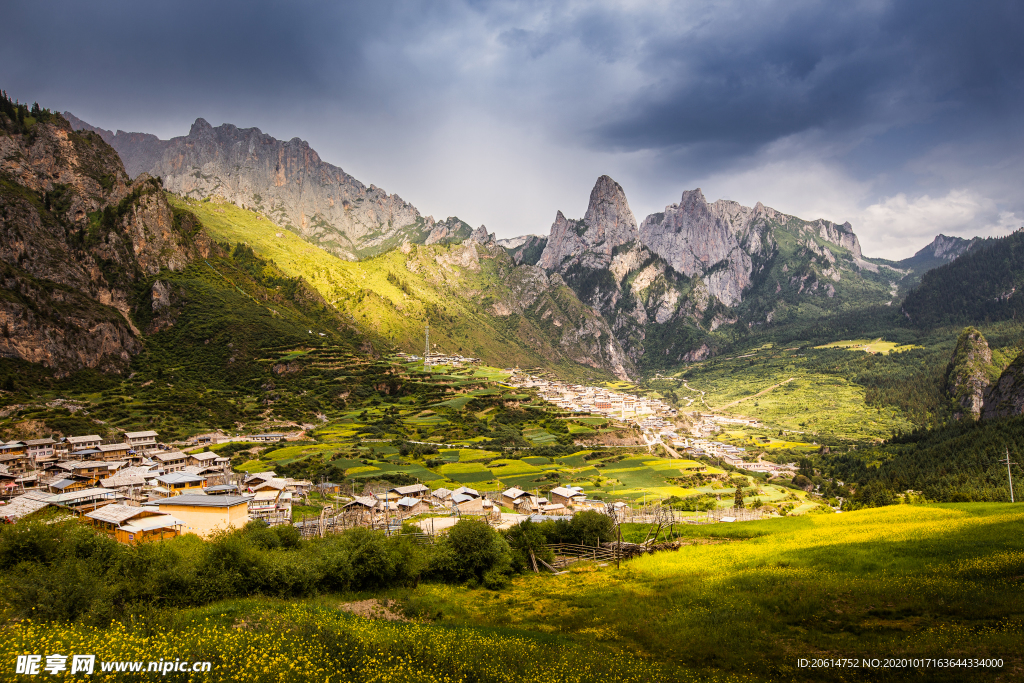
474,552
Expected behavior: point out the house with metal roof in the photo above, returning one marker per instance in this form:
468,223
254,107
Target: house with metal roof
205,515
411,506
90,469
441,495
22,506
81,443
131,523
170,461
412,491
68,485
265,437
14,454
40,448
219,489
466,491
84,500
178,483
141,440
511,497
466,504
567,495
116,451
261,476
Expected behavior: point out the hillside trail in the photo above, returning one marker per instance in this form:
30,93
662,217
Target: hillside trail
760,393
695,390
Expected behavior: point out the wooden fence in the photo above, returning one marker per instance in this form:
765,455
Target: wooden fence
568,553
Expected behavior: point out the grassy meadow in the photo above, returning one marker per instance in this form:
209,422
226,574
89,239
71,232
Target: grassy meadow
737,602
750,598
456,288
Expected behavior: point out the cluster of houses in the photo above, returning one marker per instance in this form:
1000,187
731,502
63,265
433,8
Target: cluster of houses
407,501
598,400
136,488
442,359
732,455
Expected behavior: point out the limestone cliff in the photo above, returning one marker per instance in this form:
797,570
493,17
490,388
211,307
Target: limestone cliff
968,372
76,237
592,241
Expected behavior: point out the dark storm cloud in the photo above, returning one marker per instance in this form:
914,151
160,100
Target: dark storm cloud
888,111
286,56
749,74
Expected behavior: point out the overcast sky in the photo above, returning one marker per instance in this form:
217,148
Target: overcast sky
904,118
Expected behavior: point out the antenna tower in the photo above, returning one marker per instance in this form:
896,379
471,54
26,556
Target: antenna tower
426,350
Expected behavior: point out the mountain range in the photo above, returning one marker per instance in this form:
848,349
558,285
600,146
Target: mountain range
673,288
603,292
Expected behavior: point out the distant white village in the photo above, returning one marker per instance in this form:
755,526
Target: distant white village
652,416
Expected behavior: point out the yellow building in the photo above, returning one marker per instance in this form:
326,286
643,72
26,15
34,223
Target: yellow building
205,515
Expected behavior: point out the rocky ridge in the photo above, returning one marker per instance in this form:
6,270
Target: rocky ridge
698,266
284,180
1005,398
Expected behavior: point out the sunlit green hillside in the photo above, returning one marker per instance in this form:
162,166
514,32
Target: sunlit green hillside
476,302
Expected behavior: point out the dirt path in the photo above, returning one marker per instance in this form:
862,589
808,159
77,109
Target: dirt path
760,393
701,395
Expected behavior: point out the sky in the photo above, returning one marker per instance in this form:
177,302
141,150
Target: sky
903,118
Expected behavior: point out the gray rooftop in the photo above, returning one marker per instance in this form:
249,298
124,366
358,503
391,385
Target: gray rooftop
116,513
202,500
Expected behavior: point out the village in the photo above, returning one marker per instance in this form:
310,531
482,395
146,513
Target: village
137,489
654,418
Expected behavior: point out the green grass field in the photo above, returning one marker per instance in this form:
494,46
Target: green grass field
906,581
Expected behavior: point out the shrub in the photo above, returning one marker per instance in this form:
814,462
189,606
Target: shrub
472,551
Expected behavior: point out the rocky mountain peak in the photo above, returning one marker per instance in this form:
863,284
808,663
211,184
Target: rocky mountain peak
200,126
946,248
610,223
693,199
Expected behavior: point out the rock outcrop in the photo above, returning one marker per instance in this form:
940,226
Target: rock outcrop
76,238
968,374
525,250
592,241
1005,398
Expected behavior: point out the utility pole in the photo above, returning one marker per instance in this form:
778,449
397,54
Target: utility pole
426,348
1009,474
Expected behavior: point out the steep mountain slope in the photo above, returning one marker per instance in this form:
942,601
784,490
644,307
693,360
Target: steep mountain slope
78,240
476,300
983,285
98,270
285,181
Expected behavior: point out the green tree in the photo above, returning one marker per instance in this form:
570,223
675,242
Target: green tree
525,538
474,552
738,500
